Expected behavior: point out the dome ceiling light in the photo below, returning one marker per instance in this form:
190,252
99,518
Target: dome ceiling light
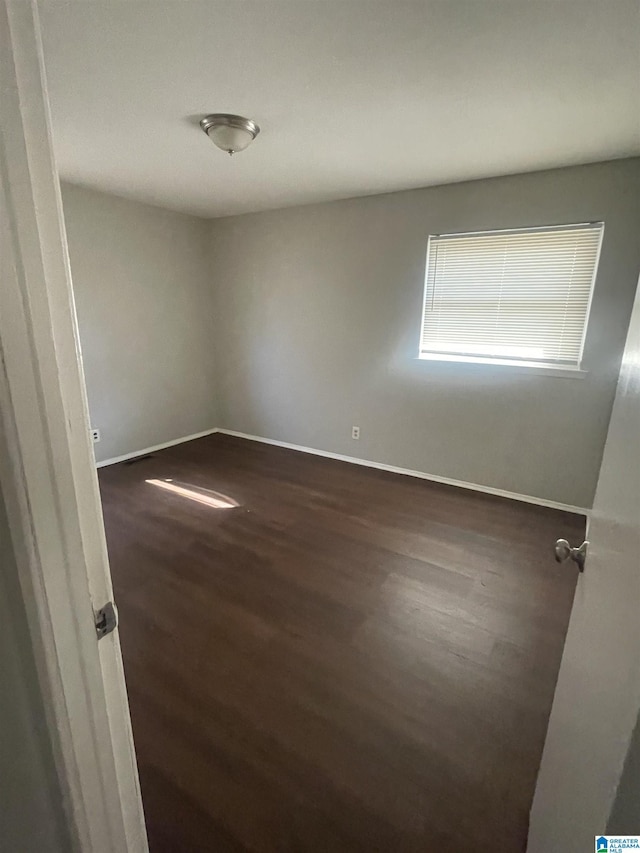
230,133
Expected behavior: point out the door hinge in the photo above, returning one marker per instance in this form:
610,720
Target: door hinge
106,619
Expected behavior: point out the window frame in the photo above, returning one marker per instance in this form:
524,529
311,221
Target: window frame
462,362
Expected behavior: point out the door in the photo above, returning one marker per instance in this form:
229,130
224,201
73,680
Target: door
597,699
47,473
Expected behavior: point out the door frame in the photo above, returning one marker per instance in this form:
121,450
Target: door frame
47,470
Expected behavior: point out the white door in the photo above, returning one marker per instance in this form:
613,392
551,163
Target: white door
597,697
47,472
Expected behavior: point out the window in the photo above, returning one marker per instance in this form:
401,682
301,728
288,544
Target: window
510,297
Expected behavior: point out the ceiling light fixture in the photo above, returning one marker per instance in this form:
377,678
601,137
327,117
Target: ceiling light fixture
230,133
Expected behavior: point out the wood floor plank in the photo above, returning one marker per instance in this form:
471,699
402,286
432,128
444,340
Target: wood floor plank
349,660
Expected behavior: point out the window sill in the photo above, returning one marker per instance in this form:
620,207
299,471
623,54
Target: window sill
503,364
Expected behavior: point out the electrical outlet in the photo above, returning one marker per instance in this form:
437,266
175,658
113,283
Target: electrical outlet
95,435
355,432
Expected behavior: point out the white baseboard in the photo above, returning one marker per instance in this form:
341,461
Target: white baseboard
435,478
154,448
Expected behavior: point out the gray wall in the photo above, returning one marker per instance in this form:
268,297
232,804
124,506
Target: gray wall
31,814
318,313
144,305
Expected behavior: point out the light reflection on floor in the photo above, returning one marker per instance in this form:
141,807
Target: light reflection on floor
195,493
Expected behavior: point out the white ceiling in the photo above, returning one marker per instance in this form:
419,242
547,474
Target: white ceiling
354,97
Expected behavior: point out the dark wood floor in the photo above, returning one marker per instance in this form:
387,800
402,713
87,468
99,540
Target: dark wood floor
349,660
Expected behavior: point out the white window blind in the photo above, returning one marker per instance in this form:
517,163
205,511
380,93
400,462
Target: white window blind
515,296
